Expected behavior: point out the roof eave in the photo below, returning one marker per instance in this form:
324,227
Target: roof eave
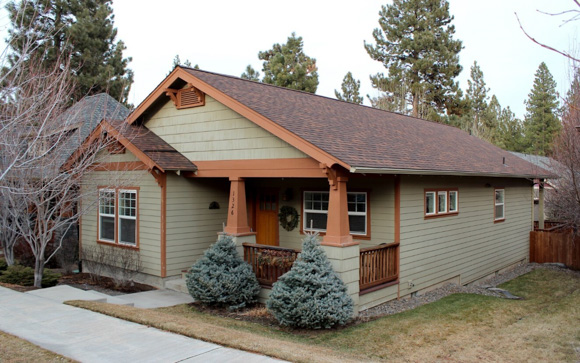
369,170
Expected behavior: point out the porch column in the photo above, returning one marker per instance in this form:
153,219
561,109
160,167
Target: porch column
541,204
237,222
337,225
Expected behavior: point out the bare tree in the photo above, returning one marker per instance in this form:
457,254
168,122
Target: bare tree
564,203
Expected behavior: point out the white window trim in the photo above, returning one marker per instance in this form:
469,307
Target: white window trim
120,217
305,222
495,204
439,193
456,201
434,203
102,191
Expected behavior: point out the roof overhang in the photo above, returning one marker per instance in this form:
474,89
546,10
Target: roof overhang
260,120
105,127
368,170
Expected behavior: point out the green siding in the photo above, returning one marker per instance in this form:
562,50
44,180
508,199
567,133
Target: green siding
469,245
191,226
215,132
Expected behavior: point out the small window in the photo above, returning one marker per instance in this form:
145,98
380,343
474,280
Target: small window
452,201
499,213
127,217
440,202
107,215
316,212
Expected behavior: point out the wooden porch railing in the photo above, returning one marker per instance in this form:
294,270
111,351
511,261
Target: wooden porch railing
378,265
269,262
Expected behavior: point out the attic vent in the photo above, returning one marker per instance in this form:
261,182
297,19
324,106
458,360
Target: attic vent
186,97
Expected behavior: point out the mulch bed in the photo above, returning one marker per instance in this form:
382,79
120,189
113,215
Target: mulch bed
103,284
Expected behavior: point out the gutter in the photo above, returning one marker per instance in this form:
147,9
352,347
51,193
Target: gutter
367,170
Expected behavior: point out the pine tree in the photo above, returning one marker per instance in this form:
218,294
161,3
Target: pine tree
310,295
286,65
251,74
511,131
415,43
82,28
350,90
541,123
221,277
177,62
477,98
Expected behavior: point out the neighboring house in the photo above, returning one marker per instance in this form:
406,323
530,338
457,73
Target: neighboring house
546,163
401,204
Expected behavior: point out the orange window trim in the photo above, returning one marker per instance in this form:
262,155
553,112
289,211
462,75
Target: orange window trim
116,243
437,214
365,237
494,218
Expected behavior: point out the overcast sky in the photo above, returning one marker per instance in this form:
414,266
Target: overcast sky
225,36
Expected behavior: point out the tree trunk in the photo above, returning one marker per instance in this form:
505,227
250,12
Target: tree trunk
38,271
9,255
415,105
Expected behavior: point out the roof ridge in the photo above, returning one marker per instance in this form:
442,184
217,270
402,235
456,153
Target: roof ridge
314,94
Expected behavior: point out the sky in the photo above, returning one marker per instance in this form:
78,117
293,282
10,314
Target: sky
225,36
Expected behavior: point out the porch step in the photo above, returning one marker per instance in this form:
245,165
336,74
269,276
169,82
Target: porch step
177,285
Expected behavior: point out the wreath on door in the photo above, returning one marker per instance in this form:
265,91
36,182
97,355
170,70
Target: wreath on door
288,217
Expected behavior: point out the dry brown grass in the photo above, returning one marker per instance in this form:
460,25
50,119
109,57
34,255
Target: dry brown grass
16,350
545,326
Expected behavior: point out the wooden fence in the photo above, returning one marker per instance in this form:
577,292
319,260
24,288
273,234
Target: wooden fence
378,265
555,244
269,262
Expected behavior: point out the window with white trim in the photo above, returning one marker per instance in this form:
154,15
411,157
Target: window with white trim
315,206
439,202
118,216
499,212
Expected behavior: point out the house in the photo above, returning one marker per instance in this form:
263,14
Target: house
402,204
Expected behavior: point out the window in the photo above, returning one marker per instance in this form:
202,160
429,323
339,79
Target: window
316,212
499,212
118,216
440,202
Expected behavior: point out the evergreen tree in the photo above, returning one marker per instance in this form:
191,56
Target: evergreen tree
350,90
415,43
221,277
511,131
251,74
310,295
286,65
477,99
82,28
490,120
541,123
177,62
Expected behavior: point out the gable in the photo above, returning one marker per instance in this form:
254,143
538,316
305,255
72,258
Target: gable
216,132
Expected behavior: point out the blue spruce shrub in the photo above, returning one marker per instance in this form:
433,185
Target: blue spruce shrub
310,295
221,277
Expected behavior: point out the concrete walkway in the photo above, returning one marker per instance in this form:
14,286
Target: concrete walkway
87,336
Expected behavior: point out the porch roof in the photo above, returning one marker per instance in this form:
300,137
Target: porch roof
360,138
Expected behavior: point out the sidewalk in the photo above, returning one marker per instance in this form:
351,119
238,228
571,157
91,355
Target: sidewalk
91,337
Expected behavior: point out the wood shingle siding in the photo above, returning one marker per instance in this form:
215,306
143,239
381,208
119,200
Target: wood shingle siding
191,226
215,132
469,245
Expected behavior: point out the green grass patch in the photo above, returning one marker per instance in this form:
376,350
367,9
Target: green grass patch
543,326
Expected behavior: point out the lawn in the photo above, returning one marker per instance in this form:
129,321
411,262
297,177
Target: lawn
544,326
13,350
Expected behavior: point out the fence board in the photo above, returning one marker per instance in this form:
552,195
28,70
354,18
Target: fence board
559,246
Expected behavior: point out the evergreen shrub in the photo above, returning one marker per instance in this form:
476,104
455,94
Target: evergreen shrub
24,276
310,295
222,278
3,264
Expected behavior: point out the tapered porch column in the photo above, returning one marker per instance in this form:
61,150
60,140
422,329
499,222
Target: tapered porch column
237,222
337,225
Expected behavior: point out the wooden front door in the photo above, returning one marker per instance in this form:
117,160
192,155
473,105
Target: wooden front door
267,217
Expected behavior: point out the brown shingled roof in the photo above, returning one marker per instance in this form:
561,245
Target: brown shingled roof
369,139
154,147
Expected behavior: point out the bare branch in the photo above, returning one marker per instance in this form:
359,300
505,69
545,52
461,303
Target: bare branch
544,45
